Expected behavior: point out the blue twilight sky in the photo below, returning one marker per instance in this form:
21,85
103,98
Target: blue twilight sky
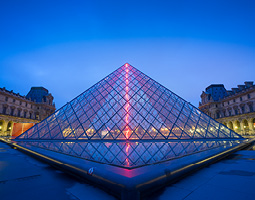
67,46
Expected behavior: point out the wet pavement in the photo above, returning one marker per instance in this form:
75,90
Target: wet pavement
232,178
23,177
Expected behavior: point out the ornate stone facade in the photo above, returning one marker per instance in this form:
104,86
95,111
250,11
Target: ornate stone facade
235,108
18,113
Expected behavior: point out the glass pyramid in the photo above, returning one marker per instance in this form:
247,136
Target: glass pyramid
127,104
128,119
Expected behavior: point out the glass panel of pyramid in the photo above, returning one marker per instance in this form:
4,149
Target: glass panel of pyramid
129,106
129,154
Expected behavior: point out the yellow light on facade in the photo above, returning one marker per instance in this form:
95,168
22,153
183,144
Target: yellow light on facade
235,127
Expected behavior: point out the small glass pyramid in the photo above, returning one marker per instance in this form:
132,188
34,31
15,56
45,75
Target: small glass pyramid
128,105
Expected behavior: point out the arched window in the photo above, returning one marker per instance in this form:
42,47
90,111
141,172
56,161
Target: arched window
245,126
9,126
1,125
231,125
237,126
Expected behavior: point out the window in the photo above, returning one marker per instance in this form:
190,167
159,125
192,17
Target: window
241,98
234,100
243,110
13,100
229,113
4,110
228,102
19,111
20,103
12,111
25,114
251,108
249,96
30,115
236,112
26,104
218,115
6,98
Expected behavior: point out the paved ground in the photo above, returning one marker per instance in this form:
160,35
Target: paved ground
22,177
232,178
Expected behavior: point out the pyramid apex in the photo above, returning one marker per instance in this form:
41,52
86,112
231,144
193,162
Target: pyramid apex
126,64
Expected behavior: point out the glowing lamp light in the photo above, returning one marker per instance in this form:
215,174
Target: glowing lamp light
235,127
104,133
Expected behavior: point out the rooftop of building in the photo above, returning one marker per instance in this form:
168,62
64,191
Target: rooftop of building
36,94
10,92
216,95
214,85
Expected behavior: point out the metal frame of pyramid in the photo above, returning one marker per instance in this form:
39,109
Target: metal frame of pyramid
133,135
128,105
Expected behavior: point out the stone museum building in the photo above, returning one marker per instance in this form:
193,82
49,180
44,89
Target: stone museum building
234,108
19,113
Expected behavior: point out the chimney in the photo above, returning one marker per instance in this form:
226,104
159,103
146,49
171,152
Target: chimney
248,83
229,92
235,90
241,87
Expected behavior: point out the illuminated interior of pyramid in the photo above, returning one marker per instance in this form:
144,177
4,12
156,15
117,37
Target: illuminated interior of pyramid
129,120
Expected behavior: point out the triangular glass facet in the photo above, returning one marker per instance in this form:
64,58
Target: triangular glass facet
128,105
